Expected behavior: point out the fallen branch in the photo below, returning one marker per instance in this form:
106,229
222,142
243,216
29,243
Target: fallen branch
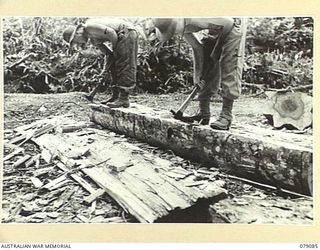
289,88
263,89
22,59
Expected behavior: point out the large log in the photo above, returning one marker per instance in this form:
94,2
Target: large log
272,157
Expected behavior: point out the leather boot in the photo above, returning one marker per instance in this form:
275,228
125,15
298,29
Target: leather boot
115,96
225,117
203,117
121,102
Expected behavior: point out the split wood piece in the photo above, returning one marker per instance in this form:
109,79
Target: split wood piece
21,161
73,127
47,155
93,207
56,183
42,171
60,119
14,153
290,109
45,129
143,190
36,182
17,139
26,136
93,196
119,168
33,160
83,183
80,152
244,152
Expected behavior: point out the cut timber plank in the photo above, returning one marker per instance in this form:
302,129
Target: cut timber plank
143,189
257,154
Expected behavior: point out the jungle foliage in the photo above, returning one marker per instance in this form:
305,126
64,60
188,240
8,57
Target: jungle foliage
279,53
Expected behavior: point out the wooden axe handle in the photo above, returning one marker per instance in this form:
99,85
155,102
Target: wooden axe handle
186,103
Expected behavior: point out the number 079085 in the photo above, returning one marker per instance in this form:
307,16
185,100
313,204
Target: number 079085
309,246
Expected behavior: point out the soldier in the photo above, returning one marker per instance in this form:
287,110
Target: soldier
217,62
124,40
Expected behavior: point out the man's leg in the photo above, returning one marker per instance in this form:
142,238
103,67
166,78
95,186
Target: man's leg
211,77
232,60
125,67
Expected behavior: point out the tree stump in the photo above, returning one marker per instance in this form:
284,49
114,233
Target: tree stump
290,110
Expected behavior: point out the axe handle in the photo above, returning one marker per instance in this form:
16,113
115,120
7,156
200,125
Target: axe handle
186,103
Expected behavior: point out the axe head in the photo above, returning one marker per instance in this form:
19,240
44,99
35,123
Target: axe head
179,116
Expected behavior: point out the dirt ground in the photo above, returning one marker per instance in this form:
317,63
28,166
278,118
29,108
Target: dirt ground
18,192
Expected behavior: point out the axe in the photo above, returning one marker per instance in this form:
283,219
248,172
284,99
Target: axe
179,114
209,45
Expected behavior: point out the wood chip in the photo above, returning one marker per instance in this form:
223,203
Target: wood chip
119,168
92,197
175,175
32,160
93,207
55,182
99,212
17,139
73,127
39,216
14,153
196,183
78,153
42,171
82,218
53,215
21,161
116,219
58,203
46,155
97,219
36,182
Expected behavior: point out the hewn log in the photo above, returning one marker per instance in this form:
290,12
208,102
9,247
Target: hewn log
263,155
